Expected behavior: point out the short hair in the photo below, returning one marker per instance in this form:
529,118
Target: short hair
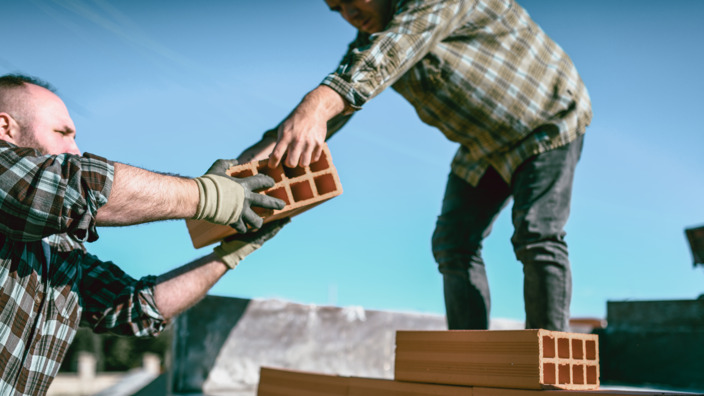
10,101
19,80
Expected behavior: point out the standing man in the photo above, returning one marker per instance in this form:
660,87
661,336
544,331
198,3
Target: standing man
51,200
487,76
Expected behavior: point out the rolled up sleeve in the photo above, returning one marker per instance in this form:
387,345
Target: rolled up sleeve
41,195
117,303
374,62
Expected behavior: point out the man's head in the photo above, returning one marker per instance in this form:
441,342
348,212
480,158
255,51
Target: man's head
31,115
368,16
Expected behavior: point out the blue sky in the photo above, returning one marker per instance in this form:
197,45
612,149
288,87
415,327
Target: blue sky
172,86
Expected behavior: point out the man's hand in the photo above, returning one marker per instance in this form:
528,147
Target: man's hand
234,249
228,200
302,134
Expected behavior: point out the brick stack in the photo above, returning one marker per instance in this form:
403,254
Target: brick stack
466,363
301,188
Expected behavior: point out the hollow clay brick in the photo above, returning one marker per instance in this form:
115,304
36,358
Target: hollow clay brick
522,359
284,382
301,188
279,382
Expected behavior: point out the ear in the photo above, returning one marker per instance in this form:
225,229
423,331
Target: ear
8,128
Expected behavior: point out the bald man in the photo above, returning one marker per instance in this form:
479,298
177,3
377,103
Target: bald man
51,200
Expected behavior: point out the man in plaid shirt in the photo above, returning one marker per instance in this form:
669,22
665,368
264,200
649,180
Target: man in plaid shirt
51,200
487,76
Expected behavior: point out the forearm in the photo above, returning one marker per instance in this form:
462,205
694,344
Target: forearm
140,196
302,134
181,288
322,102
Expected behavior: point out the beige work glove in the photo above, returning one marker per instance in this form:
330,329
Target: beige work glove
235,248
228,200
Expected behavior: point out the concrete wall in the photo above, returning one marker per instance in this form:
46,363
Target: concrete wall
221,343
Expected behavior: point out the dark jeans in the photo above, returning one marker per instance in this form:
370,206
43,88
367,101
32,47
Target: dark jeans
541,189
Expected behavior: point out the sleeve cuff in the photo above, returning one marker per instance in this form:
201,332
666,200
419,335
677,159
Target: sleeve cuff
151,319
354,99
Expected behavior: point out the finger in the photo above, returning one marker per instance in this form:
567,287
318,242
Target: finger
293,155
251,218
306,155
317,153
257,182
270,229
239,226
277,154
221,165
266,201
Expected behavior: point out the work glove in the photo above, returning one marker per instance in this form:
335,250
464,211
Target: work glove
235,248
228,200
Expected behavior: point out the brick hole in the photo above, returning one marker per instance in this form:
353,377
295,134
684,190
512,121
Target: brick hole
563,373
243,173
592,377
262,212
294,172
279,193
325,184
563,348
321,164
577,349
548,347
549,377
578,374
275,173
301,191
591,349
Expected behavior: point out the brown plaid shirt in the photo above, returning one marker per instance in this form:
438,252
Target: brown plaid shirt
481,71
49,284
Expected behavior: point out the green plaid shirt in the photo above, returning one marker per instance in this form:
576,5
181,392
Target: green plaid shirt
49,284
481,71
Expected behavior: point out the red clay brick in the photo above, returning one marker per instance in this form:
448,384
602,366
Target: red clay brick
301,188
279,382
522,359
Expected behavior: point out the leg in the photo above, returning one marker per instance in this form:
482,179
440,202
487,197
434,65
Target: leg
542,191
465,220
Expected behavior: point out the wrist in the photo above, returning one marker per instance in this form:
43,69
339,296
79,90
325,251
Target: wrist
220,200
324,101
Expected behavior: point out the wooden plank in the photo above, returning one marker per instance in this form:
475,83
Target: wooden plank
523,359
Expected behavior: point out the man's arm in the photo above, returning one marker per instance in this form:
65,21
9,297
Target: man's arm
181,288
41,195
115,302
140,196
366,71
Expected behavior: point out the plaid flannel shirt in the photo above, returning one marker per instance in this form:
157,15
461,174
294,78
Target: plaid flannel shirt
481,71
49,284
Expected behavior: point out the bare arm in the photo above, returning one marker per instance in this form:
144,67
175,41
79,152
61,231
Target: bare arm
181,288
139,196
